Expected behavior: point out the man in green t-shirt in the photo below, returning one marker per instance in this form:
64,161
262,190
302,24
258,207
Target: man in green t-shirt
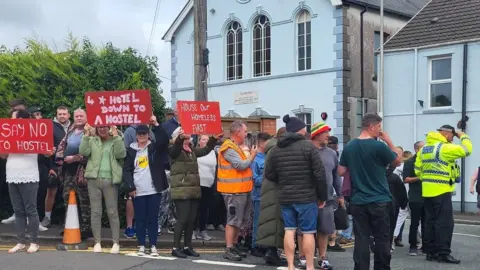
366,159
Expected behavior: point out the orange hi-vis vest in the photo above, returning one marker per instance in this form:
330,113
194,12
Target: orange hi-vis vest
231,180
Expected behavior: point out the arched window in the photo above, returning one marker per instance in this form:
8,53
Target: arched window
304,41
234,52
261,47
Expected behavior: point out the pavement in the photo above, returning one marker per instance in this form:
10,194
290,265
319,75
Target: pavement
465,246
52,237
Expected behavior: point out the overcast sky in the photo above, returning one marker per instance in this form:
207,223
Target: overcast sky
126,23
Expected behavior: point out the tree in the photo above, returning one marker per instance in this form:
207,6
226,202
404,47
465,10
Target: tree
48,79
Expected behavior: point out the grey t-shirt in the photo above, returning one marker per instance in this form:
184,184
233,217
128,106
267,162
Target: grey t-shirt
73,144
142,177
330,162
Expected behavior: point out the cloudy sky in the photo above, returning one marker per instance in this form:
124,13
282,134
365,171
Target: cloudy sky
126,23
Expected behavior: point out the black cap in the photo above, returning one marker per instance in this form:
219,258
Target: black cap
332,140
34,110
142,129
447,128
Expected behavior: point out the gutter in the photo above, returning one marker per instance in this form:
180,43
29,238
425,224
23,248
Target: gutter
362,80
374,7
464,114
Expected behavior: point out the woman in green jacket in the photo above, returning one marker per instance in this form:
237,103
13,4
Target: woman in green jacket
105,151
185,188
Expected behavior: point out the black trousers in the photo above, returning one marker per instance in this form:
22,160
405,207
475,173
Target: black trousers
204,209
218,212
394,210
372,219
417,216
186,219
42,193
438,232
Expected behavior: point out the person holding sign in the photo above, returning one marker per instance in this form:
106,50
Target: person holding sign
105,151
23,179
145,180
185,188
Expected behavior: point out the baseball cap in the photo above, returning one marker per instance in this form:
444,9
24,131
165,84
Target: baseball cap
142,129
332,140
447,128
34,109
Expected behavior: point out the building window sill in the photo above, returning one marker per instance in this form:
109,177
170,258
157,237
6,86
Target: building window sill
438,110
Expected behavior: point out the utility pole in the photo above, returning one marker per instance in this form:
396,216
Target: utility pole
201,51
380,94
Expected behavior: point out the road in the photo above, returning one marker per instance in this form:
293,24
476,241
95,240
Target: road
466,243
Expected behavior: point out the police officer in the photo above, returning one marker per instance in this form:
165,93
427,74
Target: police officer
436,167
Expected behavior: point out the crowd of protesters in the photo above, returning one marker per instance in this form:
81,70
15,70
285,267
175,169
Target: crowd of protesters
290,192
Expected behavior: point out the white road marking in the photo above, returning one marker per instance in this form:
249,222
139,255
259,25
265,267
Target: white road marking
467,225
225,263
470,235
151,257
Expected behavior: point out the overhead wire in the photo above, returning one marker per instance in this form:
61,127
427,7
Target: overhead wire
154,24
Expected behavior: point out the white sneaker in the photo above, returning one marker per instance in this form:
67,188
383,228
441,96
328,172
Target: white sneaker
33,248
9,220
17,248
42,228
115,249
153,251
97,248
141,251
203,235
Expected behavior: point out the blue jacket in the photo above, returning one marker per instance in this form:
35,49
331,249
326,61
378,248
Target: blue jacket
169,126
257,169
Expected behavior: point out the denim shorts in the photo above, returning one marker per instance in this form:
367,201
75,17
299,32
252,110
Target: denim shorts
300,215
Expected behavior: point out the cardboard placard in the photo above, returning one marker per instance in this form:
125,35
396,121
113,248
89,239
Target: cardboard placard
26,136
118,108
199,117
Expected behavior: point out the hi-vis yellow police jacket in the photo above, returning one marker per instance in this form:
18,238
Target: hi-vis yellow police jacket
435,164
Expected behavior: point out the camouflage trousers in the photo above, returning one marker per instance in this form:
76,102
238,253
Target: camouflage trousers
167,208
83,201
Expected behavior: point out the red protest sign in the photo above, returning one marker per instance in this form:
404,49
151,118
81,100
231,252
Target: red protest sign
200,117
26,136
123,108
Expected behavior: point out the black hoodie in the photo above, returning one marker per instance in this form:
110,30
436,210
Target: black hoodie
397,188
295,164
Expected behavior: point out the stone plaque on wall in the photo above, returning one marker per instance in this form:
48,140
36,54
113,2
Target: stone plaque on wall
250,97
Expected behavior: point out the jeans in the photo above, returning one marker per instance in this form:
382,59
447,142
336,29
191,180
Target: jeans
438,224
24,202
98,189
417,216
372,219
146,217
347,234
256,216
187,215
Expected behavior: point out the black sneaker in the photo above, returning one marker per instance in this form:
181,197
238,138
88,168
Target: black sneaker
257,252
398,243
272,258
239,252
413,252
447,259
190,252
432,257
231,255
335,248
178,253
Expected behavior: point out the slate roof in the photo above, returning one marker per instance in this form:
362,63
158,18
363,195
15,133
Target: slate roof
439,22
406,8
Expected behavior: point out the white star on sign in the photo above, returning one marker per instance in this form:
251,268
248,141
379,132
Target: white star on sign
102,100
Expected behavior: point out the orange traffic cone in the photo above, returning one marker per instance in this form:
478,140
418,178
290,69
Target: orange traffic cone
71,233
